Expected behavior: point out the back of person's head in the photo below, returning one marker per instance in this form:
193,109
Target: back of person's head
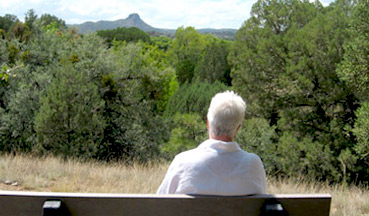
226,113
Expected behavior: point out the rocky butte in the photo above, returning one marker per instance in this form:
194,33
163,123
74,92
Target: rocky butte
134,20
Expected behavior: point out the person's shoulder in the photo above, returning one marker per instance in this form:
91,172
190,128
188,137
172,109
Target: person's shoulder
252,156
180,160
190,159
185,154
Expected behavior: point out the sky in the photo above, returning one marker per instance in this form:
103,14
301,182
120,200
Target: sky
169,14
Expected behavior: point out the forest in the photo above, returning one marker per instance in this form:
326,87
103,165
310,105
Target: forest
123,95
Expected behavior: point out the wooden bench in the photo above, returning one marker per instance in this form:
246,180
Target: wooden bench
45,203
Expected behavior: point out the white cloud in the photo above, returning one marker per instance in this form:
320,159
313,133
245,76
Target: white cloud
6,3
37,1
93,10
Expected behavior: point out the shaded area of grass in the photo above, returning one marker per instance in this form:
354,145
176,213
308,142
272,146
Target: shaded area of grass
56,175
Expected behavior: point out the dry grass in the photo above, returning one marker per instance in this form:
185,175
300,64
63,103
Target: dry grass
55,175
346,200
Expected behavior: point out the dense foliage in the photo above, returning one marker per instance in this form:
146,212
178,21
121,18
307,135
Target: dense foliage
302,69
132,34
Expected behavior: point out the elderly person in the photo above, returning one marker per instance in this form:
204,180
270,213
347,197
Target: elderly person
218,166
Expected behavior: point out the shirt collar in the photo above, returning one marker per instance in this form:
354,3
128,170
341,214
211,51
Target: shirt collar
220,146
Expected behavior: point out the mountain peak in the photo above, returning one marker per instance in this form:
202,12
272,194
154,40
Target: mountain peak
134,20
134,16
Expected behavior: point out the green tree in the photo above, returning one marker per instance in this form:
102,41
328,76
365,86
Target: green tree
21,32
7,21
187,49
160,82
189,130
213,65
132,34
303,157
47,19
162,42
361,131
69,121
35,69
256,136
313,99
354,69
135,91
193,98
284,64
5,74
3,51
30,19
259,55
21,103
149,65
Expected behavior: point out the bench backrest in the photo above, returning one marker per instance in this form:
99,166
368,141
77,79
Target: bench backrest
33,203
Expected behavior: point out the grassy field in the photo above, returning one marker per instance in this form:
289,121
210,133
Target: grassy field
53,174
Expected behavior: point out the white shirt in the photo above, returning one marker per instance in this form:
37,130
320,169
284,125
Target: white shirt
215,168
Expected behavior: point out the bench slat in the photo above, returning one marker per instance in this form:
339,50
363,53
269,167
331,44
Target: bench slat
30,203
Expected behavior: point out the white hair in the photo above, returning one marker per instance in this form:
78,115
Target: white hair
226,113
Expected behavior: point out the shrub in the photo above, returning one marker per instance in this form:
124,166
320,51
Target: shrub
188,132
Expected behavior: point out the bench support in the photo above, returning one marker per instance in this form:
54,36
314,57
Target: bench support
273,208
54,208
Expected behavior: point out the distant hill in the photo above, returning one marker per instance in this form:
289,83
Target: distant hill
134,20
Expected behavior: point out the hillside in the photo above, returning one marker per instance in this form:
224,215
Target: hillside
134,20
